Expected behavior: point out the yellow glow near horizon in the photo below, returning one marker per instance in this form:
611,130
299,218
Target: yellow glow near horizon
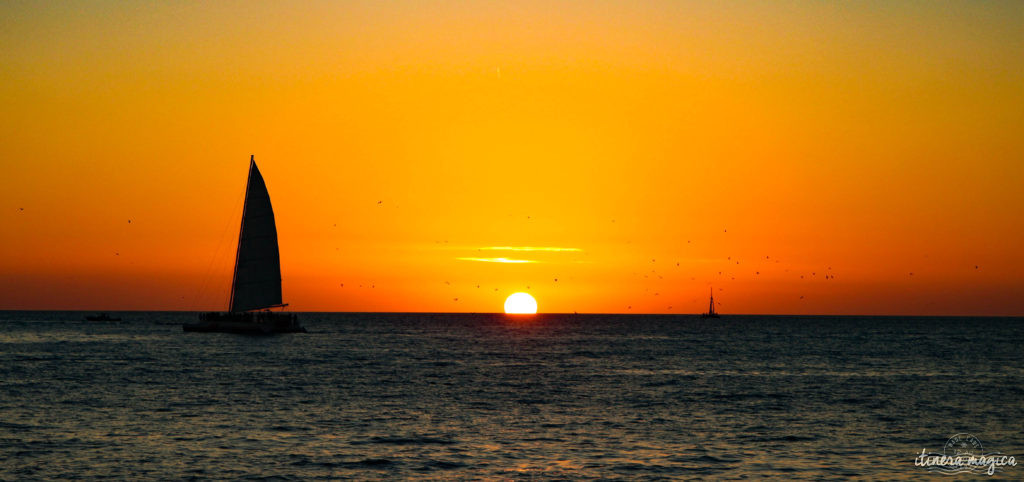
520,304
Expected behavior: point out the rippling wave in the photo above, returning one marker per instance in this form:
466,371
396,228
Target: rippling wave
370,396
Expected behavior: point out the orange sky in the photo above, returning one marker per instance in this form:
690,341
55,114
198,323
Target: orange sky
666,147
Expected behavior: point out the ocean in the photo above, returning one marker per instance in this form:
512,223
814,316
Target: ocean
471,396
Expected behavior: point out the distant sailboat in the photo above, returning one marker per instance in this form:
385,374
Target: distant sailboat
711,307
256,286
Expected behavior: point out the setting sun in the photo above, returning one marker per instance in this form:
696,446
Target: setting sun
520,304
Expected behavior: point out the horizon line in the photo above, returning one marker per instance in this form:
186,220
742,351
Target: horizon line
723,315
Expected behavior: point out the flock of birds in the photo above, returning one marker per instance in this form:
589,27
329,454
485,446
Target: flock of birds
828,275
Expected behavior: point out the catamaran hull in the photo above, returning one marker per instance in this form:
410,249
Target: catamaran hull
264,323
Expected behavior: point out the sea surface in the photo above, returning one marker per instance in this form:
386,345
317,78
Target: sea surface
463,396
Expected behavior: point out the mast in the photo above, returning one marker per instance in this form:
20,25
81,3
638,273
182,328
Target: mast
711,309
241,229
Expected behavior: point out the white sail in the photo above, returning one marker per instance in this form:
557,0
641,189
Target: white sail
257,281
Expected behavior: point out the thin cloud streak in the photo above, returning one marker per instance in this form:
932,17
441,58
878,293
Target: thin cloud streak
531,248
498,260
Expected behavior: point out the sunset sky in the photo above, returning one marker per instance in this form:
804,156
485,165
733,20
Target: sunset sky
639,153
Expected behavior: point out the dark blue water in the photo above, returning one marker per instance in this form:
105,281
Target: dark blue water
485,396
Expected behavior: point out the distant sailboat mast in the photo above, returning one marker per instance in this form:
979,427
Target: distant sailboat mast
256,283
711,306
